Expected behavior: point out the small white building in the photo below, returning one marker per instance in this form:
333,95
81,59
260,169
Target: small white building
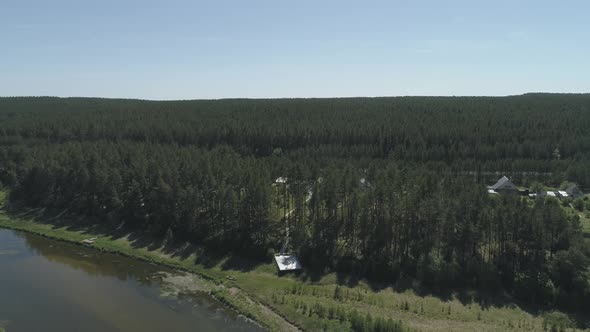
562,193
287,262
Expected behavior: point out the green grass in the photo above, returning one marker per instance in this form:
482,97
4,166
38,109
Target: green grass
278,303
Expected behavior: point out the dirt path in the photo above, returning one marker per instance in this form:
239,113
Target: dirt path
273,315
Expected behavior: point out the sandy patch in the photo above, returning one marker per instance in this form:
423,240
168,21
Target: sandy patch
174,284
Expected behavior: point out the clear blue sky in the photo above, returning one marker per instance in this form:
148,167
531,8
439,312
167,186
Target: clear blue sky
248,48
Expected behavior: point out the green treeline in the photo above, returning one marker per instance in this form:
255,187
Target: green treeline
520,133
386,188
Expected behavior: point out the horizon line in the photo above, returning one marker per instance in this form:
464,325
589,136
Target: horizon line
293,98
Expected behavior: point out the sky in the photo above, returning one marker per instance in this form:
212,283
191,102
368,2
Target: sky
177,49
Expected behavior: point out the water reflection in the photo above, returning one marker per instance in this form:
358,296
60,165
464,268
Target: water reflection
92,262
54,286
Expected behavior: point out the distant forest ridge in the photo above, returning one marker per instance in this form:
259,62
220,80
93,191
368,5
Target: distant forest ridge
532,93
528,133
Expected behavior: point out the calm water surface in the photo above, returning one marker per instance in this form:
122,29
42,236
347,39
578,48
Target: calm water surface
47,285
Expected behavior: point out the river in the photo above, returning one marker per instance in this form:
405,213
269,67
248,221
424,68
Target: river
47,285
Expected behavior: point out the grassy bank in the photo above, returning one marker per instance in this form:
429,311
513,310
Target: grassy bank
238,300
227,292
284,303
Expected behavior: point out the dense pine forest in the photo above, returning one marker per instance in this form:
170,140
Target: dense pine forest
382,188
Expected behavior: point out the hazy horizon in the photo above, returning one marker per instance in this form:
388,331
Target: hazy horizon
279,98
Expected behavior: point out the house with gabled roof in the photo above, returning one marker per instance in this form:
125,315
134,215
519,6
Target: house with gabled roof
504,185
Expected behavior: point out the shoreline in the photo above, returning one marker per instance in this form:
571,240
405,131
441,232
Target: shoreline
291,304
230,296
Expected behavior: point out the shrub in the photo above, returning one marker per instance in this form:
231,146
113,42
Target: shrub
578,204
557,321
338,294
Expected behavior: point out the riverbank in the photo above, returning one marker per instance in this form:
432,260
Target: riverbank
290,303
228,294
232,297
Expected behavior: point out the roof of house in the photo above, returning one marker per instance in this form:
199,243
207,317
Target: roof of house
504,184
287,262
563,193
551,193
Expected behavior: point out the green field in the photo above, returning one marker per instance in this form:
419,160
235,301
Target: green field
283,303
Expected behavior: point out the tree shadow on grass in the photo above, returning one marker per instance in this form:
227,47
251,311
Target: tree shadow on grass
486,299
181,250
139,240
93,226
314,272
241,264
59,219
